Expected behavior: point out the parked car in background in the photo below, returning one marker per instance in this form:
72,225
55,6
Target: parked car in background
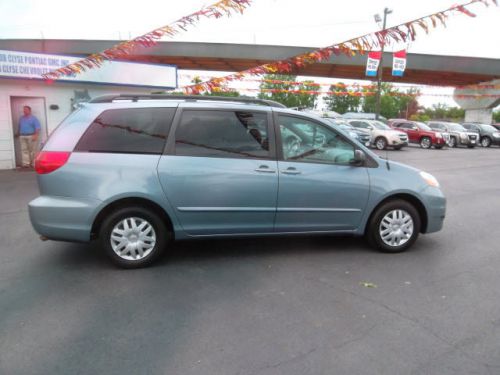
382,136
488,135
361,135
363,116
458,134
135,172
420,133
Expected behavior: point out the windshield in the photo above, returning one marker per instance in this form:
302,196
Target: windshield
457,128
346,127
423,126
488,128
380,125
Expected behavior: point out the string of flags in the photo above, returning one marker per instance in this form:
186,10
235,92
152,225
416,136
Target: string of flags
121,50
360,45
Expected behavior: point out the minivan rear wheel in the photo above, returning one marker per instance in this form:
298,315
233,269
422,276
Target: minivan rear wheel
394,226
133,237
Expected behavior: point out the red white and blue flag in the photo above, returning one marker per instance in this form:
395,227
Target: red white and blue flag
372,63
398,63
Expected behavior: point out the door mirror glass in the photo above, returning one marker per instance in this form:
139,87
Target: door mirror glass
359,158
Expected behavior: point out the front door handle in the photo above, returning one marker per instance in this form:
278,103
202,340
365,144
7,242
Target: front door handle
265,169
291,170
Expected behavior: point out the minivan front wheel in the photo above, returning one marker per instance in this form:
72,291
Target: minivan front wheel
394,227
133,237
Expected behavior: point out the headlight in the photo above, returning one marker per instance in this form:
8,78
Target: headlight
430,179
496,135
439,135
463,136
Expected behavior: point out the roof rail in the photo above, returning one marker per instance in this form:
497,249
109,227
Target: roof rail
136,97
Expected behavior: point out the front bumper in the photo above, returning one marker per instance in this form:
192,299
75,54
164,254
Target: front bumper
435,205
62,218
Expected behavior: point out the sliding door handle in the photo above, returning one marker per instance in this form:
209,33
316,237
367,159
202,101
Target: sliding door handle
290,170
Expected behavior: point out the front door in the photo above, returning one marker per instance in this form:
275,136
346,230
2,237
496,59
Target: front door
319,188
220,172
37,109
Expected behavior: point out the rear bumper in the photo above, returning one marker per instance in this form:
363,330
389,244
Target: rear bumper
62,218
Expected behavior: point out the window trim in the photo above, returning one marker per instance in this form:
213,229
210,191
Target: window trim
170,144
369,163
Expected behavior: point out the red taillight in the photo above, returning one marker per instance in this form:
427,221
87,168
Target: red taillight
49,161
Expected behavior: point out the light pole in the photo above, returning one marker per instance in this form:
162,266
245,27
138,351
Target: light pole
387,11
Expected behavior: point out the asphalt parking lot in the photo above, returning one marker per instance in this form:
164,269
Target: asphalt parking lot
263,306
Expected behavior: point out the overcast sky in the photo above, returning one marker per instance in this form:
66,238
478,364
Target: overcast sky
282,22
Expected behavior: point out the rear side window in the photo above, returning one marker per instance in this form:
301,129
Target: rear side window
230,134
129,130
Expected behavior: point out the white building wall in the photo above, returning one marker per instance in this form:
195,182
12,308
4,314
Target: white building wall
55,93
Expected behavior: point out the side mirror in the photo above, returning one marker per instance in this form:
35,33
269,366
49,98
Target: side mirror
359,158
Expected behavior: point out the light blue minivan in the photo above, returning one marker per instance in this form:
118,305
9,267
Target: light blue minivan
138,171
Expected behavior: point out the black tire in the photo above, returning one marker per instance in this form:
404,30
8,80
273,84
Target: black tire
380,143
425,142
453,142
486,142
160,229
373,233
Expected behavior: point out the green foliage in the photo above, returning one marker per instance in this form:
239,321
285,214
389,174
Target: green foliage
496,116
392,104
342,103
442,111
287,98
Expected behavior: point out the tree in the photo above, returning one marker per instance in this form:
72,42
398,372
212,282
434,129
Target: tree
496,116
393,102
342,103
441,111
279,91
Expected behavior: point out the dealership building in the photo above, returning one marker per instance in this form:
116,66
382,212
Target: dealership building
21,84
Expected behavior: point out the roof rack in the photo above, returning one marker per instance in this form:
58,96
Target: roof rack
136,97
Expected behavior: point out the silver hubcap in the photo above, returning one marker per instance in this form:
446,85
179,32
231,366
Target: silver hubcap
133,238
396,228
380,144
486,142
426,143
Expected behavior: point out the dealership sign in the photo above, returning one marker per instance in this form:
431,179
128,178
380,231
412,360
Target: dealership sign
28,65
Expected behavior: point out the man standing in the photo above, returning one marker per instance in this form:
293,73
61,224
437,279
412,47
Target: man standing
28,130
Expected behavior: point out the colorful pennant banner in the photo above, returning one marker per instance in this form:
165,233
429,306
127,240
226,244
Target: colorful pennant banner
121,50
357,93
360,45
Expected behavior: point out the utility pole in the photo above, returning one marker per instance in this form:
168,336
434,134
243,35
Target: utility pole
387,11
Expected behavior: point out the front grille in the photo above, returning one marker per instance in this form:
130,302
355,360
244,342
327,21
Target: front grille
364,138
404,138
472,137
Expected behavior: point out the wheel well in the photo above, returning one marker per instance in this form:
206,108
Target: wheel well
124,202
410,199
